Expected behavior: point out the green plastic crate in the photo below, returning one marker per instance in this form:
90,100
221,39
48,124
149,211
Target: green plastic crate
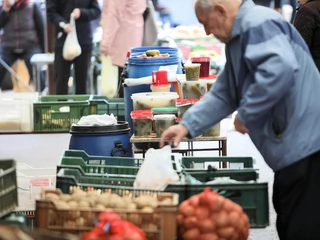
8,187
245,162
252,196
99,160
49,118
103,105
67,178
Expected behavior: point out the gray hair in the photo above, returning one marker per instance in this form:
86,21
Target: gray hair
205,4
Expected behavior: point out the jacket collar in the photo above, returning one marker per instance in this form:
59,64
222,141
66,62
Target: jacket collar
245,7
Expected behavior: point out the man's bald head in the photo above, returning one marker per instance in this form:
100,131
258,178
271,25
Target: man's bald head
217,16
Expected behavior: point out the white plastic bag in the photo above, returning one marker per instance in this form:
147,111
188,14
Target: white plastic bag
71,47
109,77
156,171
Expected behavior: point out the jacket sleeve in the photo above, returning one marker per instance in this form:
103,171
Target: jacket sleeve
4,18
90,13
39,23
216,105
52,13
305,24
271,60
111,13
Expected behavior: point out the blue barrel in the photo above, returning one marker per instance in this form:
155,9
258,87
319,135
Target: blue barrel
113,140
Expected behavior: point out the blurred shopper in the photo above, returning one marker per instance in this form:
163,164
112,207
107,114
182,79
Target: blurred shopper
122,25
22,35
307,22
268,3
84,11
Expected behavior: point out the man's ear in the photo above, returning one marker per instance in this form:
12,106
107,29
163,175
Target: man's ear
221,9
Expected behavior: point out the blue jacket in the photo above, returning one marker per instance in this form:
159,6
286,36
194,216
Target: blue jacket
271,79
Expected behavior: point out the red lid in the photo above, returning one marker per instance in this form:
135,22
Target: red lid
186,100
211,77
200,59
141,114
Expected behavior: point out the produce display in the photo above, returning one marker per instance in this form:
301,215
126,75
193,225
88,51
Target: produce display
154,54
209,216
194,89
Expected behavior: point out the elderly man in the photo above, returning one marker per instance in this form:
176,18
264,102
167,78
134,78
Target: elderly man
273,83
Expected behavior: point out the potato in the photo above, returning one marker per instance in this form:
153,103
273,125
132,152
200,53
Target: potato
117,202
190,222
132,206
127,199
73,204
83,204
51,196
104,200
226,232
80,222
186,210
93,193
191,234
208,236
92,200
78,196
206,225
61,204
220,219
146,201
65,197
148,209
180,219
166,202
99,207
201,213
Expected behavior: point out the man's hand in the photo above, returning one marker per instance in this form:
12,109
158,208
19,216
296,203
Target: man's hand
176,133
67,28
239,126
76,13
6,6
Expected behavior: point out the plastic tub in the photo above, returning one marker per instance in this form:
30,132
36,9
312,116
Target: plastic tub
142,122
204,65
163,122
194,89
160,87
192,71
183,105
152,100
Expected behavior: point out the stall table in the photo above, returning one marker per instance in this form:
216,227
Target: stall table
222,144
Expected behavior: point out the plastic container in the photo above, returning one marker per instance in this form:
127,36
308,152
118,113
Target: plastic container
149,100
193,89
192,71
111,140
163,122
16,112
204,65
183,105
142,123
213,131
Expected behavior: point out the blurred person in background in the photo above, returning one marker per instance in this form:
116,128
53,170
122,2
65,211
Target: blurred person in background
122,25
307,22
164,13
22,26
84,11
268,3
